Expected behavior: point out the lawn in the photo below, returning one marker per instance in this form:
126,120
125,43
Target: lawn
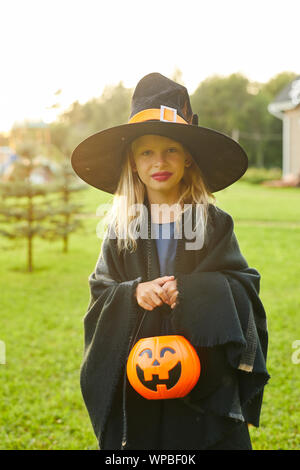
41,406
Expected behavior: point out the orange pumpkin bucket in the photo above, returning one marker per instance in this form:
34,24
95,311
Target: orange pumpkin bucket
163,367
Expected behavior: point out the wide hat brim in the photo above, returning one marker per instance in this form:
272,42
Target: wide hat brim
98,160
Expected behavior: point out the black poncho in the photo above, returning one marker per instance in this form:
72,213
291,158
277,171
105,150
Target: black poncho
219,311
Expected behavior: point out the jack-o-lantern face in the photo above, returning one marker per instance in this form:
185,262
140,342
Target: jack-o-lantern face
163,367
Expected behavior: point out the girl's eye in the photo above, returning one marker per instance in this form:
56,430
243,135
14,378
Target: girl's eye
172,149
146,152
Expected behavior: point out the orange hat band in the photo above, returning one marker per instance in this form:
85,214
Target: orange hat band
163,114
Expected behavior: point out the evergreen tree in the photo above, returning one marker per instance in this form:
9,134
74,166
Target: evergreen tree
29,210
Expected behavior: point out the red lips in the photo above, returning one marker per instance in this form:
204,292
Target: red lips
161,173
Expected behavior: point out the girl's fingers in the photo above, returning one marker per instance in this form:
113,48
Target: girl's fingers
163,295
162,280
155,295
146,306
174,297
155,300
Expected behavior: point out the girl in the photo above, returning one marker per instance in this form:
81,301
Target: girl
151,280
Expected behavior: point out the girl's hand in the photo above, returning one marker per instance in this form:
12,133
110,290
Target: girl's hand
171,288
151,294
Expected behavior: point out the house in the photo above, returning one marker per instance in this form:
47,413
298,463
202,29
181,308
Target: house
286,106
7,158
43,170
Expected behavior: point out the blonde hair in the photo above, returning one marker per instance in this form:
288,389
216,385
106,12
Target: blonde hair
131,190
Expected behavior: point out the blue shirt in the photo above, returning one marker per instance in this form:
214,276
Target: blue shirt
166,247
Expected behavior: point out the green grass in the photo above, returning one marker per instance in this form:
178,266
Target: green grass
41,406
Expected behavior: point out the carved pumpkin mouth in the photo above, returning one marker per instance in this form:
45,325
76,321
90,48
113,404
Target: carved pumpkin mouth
174,376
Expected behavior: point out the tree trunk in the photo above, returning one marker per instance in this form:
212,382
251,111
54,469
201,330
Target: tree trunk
67,217
30,219
260,155
29,264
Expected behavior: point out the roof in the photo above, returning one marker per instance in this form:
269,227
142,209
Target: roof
288,98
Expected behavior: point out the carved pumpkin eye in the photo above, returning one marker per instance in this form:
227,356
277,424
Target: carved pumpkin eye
164,350
154,374
146,351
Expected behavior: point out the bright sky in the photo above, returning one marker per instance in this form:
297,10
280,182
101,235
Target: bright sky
79,46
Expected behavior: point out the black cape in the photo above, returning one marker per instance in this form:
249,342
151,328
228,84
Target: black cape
218,310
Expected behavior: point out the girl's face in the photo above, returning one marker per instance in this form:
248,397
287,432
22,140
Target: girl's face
153,154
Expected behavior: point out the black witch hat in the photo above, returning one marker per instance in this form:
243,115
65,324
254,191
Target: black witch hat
160,106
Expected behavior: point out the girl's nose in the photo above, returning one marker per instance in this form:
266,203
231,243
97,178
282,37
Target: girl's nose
159,156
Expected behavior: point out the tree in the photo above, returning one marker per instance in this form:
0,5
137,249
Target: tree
220,102
25,210
233,104
82,120
276,84
25,216
256,122
64,221
177,76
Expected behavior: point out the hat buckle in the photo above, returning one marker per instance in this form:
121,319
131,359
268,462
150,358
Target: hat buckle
162,113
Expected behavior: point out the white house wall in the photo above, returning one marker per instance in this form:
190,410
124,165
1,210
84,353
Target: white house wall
286,145
292,118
